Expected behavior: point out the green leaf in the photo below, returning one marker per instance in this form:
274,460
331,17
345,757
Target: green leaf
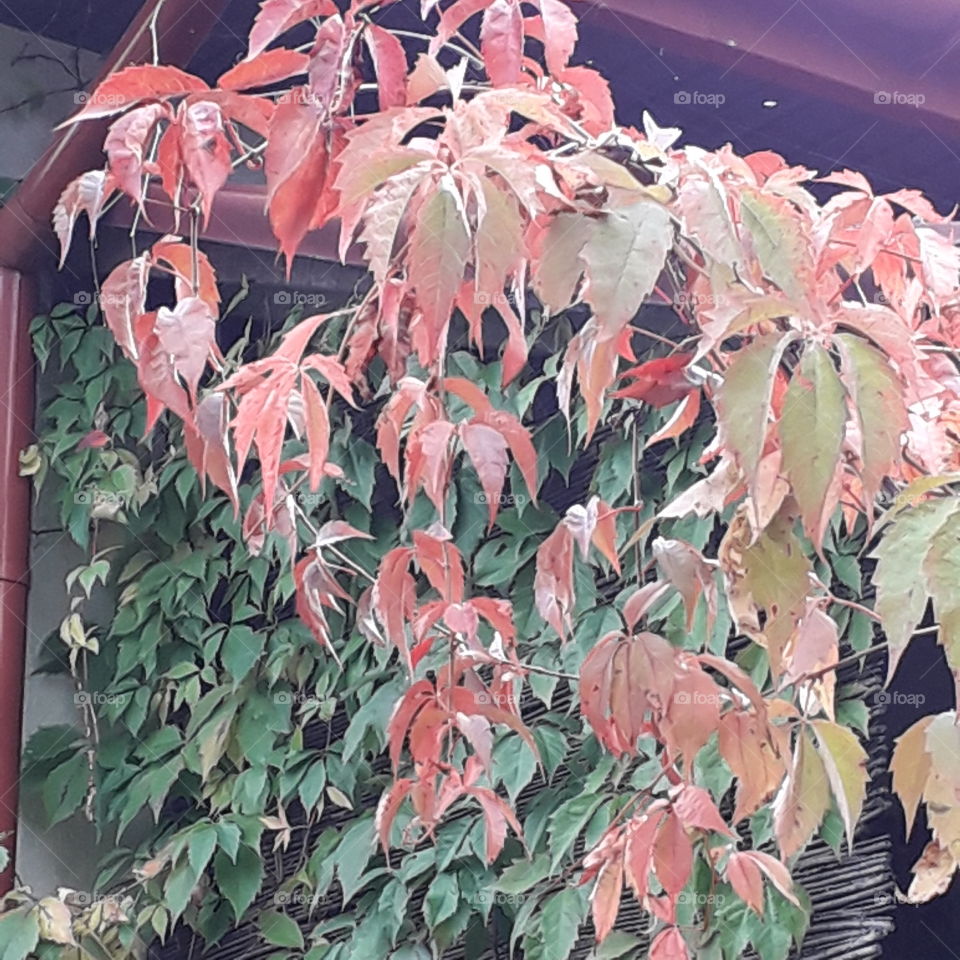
200,846
19,933
241,649
845,761
523,874
514,765
374,713
942,570
616,944
240,881
280,930
441,899
777,240
353,854
567,823
899,575
877,394
811,430
743,401
559,925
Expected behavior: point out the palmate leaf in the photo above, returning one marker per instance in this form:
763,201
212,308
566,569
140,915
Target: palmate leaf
845,762
624,256
743,401
438,253
901,577
941,568
805,800
277,16
910,766
877,395
811,431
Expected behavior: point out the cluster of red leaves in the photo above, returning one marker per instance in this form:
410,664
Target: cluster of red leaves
822,337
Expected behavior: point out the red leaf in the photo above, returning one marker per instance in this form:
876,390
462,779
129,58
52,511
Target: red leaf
317,589
469,393
604,536
296,165
93,440
267,68
559,34
186,334
122,299
409,393
86,194
317,429
387,809
744,876
208,448
156,373
394,596
501,42
488,453
205,150
439,249
683,418
452,19
693,712
278,16
697,810
429,459
638,853
126,146
669,945
777,872
659,382
672,855
499,614
605,899
553,581
427,734
496,816
642,600
441,563
170,162
133,84
417,696
521,446
330,72
181,258
390,63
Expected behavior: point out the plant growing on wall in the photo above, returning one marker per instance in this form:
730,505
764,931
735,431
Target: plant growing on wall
691,608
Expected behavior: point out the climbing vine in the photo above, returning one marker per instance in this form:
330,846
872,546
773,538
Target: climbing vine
541,595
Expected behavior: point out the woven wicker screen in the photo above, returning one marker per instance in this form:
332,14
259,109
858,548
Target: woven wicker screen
853,895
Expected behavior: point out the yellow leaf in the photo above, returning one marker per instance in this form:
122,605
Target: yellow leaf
910,766
800,807
932,874
845,762
55,921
